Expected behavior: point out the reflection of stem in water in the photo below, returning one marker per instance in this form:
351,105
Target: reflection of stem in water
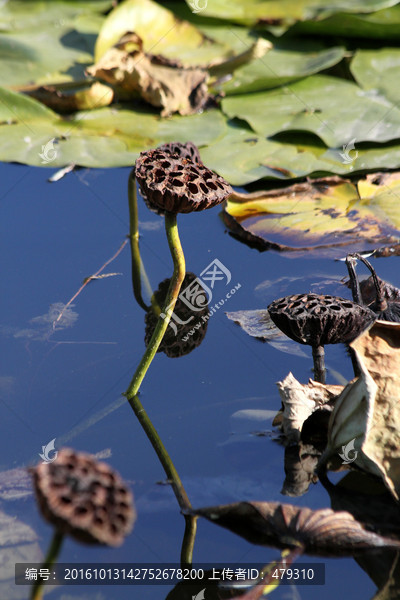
51,559
158,334
172,475
138,270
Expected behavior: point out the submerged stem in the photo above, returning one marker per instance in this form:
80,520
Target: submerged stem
51,558
318,354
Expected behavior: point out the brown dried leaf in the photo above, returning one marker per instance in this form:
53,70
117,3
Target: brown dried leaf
300,401
161,82
367,413
320,532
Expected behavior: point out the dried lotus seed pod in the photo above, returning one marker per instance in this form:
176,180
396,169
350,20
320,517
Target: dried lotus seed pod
84,498
187,150
317,320
173,184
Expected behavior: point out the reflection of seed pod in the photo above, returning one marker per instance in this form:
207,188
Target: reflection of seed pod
174,184
318,320
190,322
84,498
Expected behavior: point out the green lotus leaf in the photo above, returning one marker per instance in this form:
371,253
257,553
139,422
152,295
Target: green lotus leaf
378,71
105,137
34,14
281,66
47,42
383,24
334,109
286,11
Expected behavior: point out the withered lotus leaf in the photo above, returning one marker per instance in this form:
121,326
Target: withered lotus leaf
321,532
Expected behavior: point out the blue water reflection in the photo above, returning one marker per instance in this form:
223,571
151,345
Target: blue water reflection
54,381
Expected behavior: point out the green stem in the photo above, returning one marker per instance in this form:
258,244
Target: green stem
138,270
131,393
51,559
169,305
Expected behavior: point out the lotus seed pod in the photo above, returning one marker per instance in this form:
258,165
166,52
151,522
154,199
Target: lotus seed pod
318,320
84,498
187,150
173,184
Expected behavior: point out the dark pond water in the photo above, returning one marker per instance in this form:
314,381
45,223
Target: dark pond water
56,384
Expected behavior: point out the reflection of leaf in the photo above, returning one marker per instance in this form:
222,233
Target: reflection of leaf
369,501
46,325
368,410
259,324
18,544
323,213
321,532
383,567
300,465
15,483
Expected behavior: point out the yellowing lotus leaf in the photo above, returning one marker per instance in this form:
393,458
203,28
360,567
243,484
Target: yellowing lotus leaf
364,426
318,214
161,31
